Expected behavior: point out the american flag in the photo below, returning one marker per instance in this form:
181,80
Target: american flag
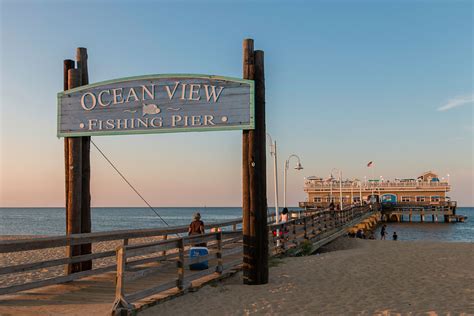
370,163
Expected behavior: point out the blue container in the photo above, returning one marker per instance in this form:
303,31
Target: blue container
198,252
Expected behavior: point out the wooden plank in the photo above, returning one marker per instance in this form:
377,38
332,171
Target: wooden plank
231,234
199,239
232,264
79,239
145,249
134,275
55,262
194,276
152,259
56,280
232,240
148,292
232,251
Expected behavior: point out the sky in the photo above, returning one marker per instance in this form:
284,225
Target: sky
347,82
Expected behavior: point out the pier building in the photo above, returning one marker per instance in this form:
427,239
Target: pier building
424,195
427,189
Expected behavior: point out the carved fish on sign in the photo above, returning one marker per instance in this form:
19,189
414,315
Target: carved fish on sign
150,109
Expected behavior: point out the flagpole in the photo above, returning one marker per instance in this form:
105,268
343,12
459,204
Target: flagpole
373,177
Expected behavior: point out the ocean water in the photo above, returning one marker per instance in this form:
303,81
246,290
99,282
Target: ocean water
51,221
430,231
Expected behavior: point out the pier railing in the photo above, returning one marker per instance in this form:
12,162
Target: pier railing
324,186
222,257
315,225
122,236
147,268
225,253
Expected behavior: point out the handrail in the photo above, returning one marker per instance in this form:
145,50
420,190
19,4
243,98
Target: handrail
314,224
123,301
79,239
370,185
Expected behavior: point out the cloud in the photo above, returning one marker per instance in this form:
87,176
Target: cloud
456,102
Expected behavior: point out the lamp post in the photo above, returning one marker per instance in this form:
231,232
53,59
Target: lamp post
340,185
287,165
380,191
273,153
330,188
352,192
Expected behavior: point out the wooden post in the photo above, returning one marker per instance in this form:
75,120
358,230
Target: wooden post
68,64
254,204
293,227
74,184
219,252
81,57
305,227
180,263
165,237
121,306
248,73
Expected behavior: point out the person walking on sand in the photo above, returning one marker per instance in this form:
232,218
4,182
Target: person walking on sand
383,232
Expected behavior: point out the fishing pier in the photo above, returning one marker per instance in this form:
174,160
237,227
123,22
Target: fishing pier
139,273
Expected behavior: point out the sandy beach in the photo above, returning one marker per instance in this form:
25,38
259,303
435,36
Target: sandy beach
348,277
353,277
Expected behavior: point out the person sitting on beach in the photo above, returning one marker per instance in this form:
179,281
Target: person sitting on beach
395,236
197,226
383,232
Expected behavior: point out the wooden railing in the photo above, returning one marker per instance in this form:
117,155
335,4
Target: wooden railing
124,236
138,261
370,185
317,224
179,248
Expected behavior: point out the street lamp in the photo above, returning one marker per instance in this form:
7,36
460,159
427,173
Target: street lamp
340,184
273,153
287,165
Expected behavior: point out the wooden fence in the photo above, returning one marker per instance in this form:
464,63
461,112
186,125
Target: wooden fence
124,236
313,225
225,253
170,256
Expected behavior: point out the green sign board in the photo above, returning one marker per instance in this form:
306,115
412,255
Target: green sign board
157,104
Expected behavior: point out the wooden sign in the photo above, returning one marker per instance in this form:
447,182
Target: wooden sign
157,104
